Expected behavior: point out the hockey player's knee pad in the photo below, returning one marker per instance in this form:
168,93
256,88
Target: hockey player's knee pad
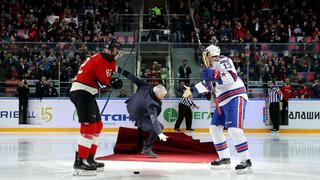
88,129
235,132
99,127
216,130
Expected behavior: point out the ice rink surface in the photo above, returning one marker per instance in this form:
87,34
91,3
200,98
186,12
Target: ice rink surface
42,156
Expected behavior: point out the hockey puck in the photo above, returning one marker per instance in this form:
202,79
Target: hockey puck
136,172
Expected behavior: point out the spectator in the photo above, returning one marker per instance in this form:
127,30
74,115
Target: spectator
123,94
184,72
187,29
288,92
52,91
156,17
224,34
154,78
297,30
23,95
42,88
182,8
239,32
180,88
126,17
315,89
293,77
153,20
46,67
176,29
304,91
66,74
146,74
164,76
23,67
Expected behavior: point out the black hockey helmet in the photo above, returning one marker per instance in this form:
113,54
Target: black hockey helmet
114,43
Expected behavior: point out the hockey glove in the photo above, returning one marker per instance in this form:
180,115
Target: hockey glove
210,74
116,83
207,74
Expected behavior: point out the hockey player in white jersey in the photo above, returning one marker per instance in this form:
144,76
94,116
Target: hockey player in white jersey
232,98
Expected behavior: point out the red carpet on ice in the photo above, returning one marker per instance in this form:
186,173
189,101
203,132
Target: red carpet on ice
178,148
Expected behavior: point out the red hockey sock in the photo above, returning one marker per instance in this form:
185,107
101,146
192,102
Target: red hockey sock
84,147
94,146
95,138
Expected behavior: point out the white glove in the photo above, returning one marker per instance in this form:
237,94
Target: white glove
163,137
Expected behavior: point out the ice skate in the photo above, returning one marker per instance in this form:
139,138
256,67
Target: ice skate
244,167
83,168
98,165
223,163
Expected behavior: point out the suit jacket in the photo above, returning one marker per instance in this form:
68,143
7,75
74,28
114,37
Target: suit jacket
184,74
23,93
41,90
143,107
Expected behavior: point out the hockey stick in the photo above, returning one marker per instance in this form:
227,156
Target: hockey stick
204,60
124,65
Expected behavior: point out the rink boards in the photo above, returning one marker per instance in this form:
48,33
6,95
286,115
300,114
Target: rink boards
60,115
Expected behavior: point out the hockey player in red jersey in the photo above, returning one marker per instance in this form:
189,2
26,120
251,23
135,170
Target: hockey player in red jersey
95,71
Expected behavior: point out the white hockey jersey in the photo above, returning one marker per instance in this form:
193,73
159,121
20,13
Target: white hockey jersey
228,84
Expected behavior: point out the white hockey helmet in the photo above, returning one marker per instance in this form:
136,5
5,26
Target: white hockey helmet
213,50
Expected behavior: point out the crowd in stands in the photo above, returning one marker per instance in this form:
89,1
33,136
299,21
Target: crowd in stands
34,65
53,65
59,21
268,21
155,74
301,70
259,67
223,21
67,22
278,67
45,88
301,90
155,18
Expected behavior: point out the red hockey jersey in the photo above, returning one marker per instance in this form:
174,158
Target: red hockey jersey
94,70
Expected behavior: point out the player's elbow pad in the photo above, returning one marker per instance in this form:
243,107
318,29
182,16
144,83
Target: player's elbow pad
116,83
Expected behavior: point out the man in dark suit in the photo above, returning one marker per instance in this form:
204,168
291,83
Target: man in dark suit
52,91
23,94
42,88
185,71
144,107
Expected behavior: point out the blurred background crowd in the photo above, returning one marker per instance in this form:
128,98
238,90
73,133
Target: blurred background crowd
267,39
